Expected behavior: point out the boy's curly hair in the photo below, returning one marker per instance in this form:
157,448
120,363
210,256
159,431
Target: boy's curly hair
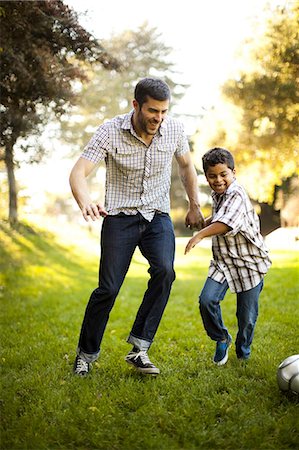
215,156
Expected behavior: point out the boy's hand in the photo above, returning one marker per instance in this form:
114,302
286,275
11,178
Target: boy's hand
193,241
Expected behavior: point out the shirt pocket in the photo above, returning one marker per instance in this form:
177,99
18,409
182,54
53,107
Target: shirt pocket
128,159
162,158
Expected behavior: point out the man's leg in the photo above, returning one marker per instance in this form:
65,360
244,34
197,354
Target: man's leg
157,245
247,313
119,238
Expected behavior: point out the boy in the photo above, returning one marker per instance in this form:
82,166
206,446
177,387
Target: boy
240,258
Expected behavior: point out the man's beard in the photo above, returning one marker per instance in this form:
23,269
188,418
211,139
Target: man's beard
144,125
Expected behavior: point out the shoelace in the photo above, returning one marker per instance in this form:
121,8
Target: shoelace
81,366
143,356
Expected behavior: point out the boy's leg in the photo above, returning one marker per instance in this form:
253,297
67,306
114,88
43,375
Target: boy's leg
209,306
247,313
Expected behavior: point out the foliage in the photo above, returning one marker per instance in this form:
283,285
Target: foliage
261,124
42,53
191,405
141,53
43,47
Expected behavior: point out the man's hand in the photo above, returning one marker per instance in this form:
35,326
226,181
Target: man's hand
78,176
94,211
195,219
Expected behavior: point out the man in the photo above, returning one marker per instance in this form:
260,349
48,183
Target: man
137,148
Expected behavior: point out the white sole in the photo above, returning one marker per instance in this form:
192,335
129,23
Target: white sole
149,370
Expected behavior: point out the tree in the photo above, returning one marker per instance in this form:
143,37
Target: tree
259,121
141,53
42,53
269,97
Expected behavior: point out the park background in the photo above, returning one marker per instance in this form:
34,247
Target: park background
234,69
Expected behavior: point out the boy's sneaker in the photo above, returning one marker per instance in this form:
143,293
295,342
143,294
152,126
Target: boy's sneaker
221,353
81,367
141,362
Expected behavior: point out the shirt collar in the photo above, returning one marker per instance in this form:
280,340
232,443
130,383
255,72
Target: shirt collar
127,122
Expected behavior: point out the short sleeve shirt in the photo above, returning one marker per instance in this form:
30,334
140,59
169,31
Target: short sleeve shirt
137,176
240,256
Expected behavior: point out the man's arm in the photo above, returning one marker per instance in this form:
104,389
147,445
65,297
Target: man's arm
194,217
78,182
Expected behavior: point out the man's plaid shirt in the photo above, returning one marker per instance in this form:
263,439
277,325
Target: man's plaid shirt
137,177
240,256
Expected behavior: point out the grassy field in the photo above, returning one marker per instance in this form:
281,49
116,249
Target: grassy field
191,405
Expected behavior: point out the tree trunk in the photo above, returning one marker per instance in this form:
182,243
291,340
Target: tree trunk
270,219
13,202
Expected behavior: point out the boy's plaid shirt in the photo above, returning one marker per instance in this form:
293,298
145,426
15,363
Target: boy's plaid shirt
240,256
137,177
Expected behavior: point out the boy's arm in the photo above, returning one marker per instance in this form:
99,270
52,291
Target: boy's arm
208,221
213,229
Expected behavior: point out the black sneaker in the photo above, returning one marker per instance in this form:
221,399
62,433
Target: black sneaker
141,362
81,367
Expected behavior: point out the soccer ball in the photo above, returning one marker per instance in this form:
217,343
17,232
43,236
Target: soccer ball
288,374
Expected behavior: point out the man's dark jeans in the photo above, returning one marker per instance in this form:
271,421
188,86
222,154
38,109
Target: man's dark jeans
120,236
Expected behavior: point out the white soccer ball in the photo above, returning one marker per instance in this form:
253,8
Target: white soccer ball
288,374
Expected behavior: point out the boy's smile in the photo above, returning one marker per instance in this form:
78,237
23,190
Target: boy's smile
220,177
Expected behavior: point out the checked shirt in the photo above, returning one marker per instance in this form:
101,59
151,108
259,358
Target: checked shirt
240,256
137,176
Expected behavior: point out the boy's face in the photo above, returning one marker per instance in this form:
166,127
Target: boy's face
220,177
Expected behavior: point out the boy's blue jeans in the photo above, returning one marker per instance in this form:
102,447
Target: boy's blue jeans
120,236
247,312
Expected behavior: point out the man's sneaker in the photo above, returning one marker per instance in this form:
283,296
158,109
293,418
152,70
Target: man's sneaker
221,353
81,367
141,362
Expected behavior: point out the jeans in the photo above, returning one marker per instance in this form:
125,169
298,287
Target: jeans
247,313
120,236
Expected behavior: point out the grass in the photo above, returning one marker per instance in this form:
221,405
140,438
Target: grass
191,405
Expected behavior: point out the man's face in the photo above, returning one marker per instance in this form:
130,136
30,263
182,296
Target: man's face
150,116
220,177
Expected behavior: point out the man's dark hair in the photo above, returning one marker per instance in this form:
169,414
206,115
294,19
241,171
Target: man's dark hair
151,87
215,156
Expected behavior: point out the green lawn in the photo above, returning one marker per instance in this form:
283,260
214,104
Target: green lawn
191,405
